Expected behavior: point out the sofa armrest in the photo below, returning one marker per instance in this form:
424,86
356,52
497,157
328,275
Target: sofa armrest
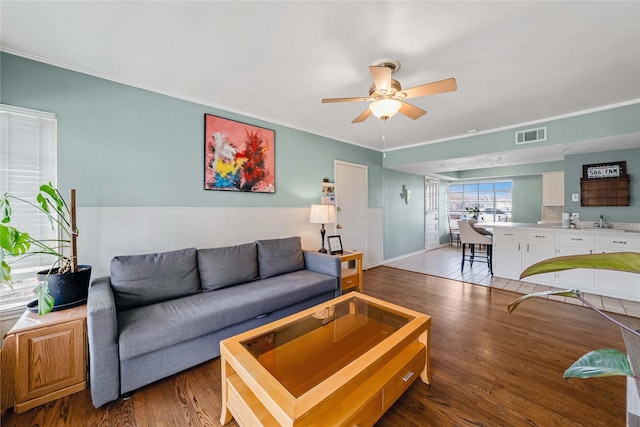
323,263
102,331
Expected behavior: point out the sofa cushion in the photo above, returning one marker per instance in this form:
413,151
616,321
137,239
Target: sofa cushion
147,329
228,266
146,279
279,256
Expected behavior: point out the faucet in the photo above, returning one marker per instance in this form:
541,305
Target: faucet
601,221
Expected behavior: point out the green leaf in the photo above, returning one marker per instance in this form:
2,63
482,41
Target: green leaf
619,261
14,242
45,300
574,293
5,272
600,363
5,209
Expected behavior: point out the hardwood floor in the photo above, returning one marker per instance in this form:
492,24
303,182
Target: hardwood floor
489,368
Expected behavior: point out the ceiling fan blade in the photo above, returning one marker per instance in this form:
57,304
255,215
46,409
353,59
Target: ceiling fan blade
362,117
381,78
447,85
327,100
411,111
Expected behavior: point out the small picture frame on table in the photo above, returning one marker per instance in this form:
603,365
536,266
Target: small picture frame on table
335,245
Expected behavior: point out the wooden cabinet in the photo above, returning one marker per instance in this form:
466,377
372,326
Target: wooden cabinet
44,358
605,192
351,271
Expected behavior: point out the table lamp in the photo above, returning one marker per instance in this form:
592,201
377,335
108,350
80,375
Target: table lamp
322,214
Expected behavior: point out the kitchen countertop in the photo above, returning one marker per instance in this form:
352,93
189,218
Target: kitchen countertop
551,227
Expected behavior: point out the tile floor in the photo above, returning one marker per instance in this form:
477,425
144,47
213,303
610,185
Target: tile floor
445,262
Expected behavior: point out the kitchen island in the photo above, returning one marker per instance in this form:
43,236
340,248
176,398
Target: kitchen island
519,245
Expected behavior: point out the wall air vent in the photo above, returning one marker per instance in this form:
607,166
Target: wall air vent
528,136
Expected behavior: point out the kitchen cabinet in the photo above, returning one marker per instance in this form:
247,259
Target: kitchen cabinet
575,243
516,249
507,252
539,245
617,281
553,189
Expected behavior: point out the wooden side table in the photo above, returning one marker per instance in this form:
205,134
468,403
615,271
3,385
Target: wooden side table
44,358
351,270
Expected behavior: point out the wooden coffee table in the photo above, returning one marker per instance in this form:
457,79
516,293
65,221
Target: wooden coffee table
343,362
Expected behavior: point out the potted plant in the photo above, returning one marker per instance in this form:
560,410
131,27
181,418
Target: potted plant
65,283
602,362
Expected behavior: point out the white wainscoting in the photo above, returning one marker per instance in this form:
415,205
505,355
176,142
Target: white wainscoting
106,232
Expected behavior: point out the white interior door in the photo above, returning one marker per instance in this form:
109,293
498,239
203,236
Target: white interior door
431,226
351,205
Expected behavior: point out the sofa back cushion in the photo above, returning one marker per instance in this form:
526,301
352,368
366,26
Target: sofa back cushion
139,280
228,266
279,256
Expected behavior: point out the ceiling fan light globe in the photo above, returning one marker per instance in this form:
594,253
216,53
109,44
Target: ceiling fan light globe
385,108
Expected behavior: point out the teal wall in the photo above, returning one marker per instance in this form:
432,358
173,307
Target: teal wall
602,124
405,219
123,146
573,173
527,199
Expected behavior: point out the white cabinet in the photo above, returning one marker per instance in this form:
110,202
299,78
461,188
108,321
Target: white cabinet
575,243
507,252
553,189
539,245
618,281
514,249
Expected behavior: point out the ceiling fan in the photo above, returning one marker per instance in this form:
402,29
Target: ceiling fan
388,97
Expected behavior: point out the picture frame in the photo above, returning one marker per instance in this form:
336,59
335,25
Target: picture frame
238,156
335,245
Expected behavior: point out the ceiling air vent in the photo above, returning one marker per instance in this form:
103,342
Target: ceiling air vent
528,136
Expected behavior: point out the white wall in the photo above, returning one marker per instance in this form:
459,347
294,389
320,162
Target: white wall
107,232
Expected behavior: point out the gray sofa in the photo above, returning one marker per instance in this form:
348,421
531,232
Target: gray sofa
158,314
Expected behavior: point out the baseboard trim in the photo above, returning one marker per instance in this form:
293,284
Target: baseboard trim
398,258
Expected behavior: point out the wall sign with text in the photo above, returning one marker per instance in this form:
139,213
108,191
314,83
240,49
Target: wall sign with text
608,170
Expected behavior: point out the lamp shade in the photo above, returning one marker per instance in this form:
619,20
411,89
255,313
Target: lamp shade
322,214
385,108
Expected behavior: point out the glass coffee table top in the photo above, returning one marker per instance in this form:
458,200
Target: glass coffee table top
307,351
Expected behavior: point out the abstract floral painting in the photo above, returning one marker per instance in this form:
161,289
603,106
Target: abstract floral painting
238,156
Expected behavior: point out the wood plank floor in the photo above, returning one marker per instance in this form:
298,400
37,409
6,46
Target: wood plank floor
489,368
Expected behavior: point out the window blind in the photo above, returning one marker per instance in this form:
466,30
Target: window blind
28,147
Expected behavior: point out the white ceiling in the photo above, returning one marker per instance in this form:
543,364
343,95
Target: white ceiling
514,62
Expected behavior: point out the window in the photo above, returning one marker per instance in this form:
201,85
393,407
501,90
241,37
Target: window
493,200
27,160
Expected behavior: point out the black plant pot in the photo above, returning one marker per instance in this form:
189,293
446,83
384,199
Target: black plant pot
67,290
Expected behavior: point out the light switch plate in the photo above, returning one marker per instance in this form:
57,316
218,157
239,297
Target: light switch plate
575,197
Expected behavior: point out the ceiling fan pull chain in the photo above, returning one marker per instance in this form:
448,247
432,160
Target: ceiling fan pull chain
384,139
